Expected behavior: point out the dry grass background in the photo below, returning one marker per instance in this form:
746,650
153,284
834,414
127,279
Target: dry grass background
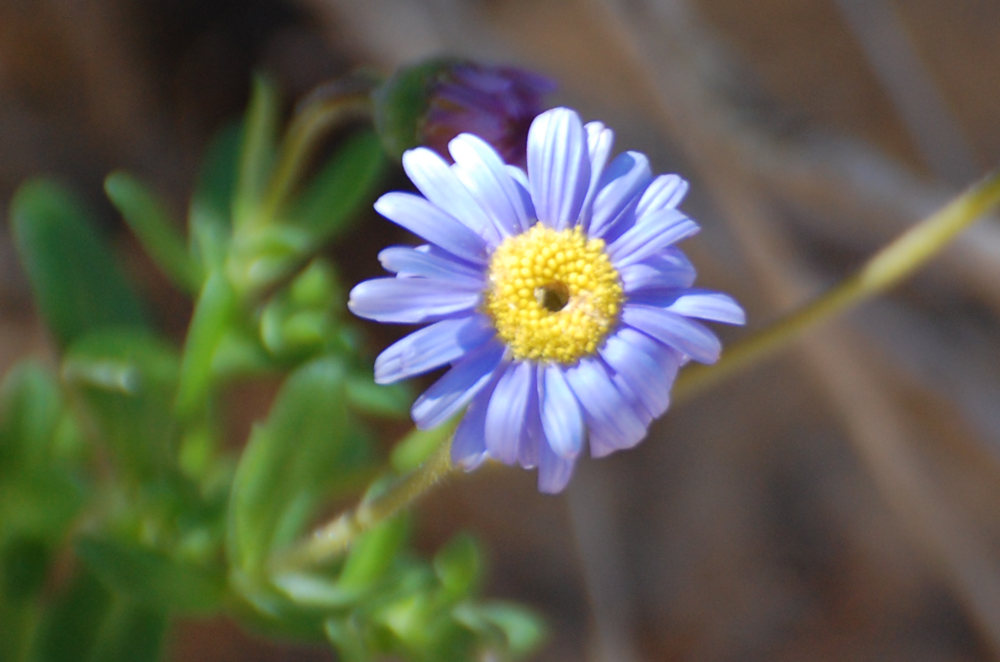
840,502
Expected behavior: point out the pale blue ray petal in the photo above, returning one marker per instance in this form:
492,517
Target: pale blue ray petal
411,300
702,304
665,192
648,366
424,261
506,415
684,335
667,270
484,174
554,471
558,167
620,187
432,347
457,387
425,220
432,175
600,140
468,445
561,417
606,411
650,236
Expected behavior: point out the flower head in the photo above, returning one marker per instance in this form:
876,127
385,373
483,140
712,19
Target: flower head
431,103
556,296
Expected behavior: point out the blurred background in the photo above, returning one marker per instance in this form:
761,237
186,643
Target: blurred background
839,502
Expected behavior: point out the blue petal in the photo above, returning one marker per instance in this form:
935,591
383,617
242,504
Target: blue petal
562,419
600,140
431,347
424,219
432,175
620,186
429,262
554,471
468,445
410,300
458,386
684,335
703,304
665,192
667,270
646,365
484,174
608,414
558,167
650,235
507,412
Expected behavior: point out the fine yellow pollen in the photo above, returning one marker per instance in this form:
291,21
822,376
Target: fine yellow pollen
553,294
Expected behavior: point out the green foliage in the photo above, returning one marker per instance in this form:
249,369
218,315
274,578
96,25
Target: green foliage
125,500
72,271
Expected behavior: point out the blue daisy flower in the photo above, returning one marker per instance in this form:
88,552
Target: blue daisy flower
556,296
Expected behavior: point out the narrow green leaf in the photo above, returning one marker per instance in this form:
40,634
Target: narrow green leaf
301,452
70,626
521,629
257,153
128,380
131,632
149,219
73,275
209,217
336,194
459,566
214,314
373,553
30,404
151,577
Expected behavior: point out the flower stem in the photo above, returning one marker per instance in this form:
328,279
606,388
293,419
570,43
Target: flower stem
886,268
336,536
329,106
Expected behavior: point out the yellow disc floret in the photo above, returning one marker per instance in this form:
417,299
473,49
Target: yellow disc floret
553,294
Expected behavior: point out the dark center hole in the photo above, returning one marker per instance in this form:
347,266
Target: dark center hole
552,297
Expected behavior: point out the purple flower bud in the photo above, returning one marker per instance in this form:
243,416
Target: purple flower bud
429,104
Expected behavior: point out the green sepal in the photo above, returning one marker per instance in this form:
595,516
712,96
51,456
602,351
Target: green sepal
401,102
73,273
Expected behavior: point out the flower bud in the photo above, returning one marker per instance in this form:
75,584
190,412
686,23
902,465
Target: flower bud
431,103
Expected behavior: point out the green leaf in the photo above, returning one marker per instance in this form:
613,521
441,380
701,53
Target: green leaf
257,152
349,638
291,461
30,404
128,380
131,632
151,577
459,566
373,553
73,275
149,219
386,400
215,312
209,217
345,184
70,626
521,629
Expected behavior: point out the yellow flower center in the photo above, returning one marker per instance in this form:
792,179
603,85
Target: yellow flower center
553,294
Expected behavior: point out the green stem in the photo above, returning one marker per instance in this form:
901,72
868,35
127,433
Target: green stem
329,107
885,269
337,535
